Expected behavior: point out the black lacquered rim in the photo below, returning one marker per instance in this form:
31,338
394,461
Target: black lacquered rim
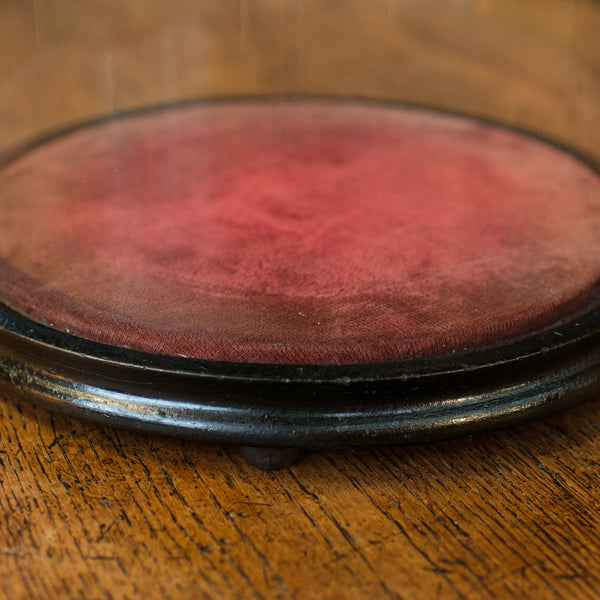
219,403
303,405
561,337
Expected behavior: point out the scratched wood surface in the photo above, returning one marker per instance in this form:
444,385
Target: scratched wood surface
90,512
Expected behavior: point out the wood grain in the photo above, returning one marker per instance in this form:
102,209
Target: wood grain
90,512
534,64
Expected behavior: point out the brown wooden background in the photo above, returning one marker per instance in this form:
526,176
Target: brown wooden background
89,512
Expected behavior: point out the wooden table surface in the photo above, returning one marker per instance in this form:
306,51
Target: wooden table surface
91,512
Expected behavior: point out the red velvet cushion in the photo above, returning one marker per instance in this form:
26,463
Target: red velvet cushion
297,233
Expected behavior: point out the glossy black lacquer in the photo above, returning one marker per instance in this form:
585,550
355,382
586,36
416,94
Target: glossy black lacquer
304,406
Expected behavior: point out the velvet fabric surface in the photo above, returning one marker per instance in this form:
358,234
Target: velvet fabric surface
309,232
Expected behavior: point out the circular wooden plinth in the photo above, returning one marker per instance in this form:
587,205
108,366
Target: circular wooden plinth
479,307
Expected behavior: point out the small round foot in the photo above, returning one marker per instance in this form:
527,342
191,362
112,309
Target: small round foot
267,459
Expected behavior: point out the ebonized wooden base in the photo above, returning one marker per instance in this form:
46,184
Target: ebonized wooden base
291,407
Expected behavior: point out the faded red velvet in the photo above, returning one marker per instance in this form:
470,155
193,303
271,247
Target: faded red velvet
297,233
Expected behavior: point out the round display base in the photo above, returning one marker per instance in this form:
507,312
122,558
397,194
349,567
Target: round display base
439,319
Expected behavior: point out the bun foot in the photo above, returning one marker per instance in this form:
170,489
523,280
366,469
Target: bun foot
269,459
